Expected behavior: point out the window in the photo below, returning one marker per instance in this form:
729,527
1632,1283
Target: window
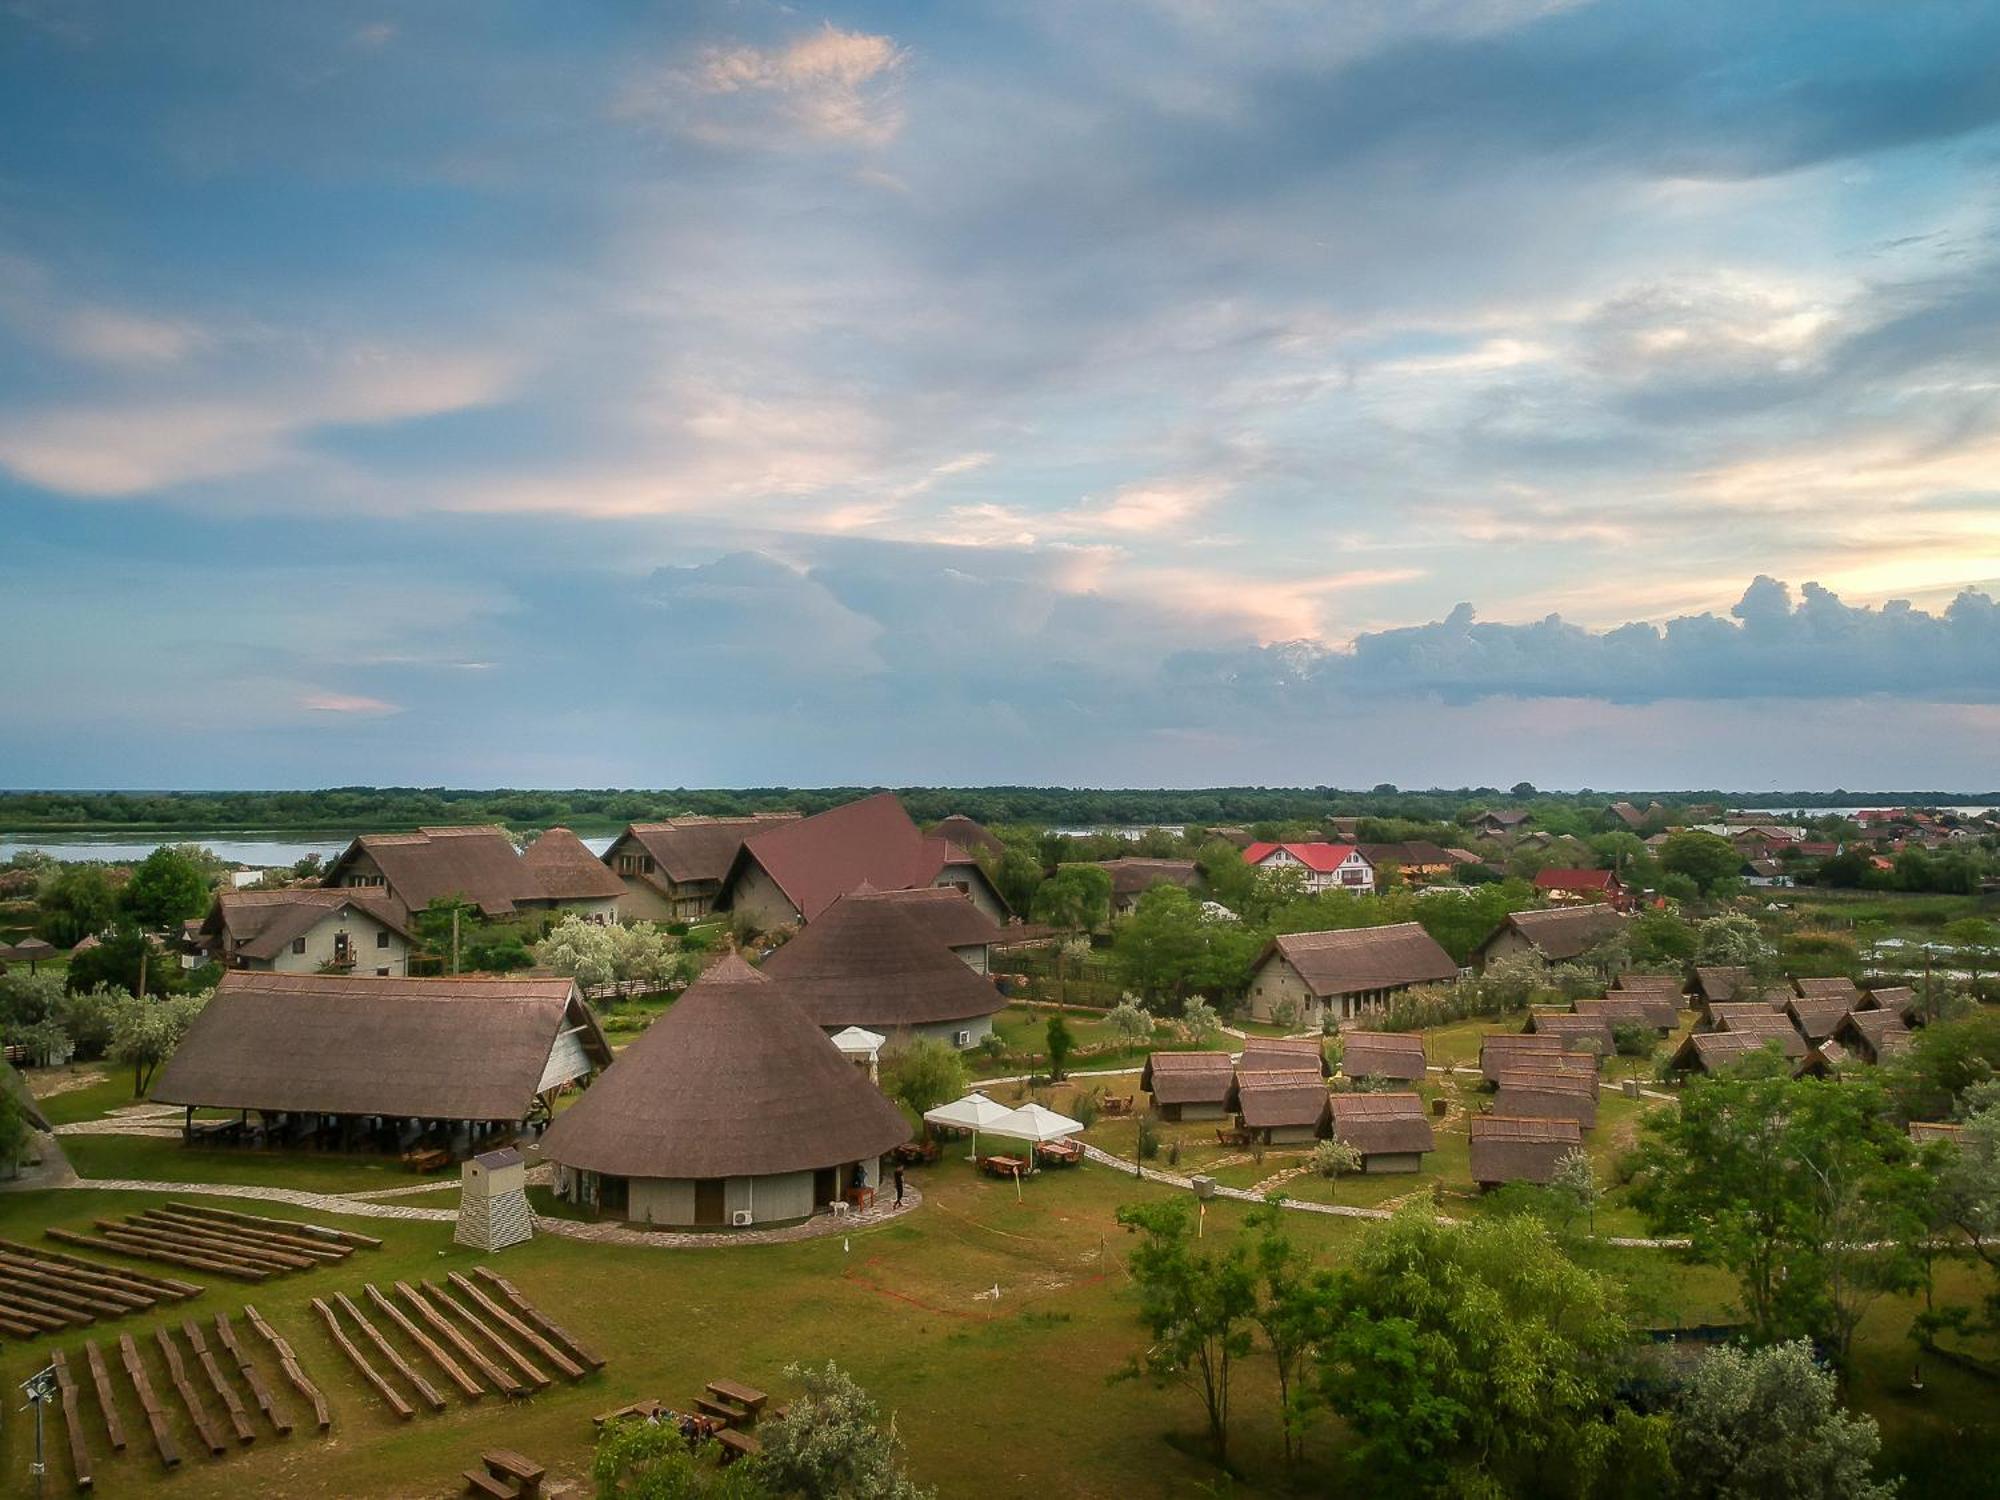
298,945
381,973
382,938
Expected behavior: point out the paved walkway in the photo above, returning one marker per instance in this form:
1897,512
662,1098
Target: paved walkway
817,1227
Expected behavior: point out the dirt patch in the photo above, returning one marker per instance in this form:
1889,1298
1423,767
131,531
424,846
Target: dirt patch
46,1083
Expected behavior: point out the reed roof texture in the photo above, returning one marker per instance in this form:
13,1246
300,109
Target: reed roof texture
1562,932
477,864
1356,960
1275,1054
1509,1149
1718,983
879,964
817,860
1552,1096
566,870
1188,1077
1383,1054
733,1081
450,1049
1267,1101
1382,1124
1840,988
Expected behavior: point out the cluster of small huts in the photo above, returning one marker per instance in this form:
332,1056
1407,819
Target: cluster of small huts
1822,1025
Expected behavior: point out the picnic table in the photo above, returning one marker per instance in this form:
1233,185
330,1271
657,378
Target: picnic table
214,1130
427,1159
917,1153
1002,1166
1226,1135
746,1396
1060,1153
1116,1104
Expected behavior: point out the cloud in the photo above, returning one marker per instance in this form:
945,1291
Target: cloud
346,703
828,86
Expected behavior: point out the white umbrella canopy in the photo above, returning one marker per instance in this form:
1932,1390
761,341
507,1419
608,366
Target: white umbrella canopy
1031,1122
974,1113
856,1041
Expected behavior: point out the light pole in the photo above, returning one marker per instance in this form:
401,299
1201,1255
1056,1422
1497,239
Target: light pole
41,1389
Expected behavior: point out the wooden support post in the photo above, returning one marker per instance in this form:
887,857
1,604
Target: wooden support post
197,1413
520,1361
239,1419
294,1371
426,1392
453,1372
499,1314
368,1372
505,1379
536,1316
225,1333
156,1416
100,1377
79,1450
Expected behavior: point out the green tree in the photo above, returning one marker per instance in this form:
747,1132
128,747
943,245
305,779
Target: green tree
117,962
1943,1061
1478,1359
87,1018
15,1133
1291,1312
832,1444
1733,940
584,951
924,1074
73,903
1751,1424
1708,859
1060,1042
1016,875
1197,1303
1967,1194
1660,937
1973,938
1575,1185
167,888
637,1460
144,1033
1132,1023
1077,898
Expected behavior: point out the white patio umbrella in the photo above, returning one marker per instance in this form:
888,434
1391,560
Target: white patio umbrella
974,1113
1031,1122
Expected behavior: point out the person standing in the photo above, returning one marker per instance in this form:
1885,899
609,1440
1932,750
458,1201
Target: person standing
899,1184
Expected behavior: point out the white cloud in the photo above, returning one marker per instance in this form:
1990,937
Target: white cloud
830,86
346,703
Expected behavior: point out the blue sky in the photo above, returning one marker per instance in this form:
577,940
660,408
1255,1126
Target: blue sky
1157,392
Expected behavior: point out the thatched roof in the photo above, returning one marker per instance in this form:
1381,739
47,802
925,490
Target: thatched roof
1383,1054
1554,1096
1273,1054
817,860
1355,960
1188,1077
1877,1033
1508,1149
874,963
1901,999
1563,932
1768,1024
968,834
1841,988
1577,1031
733,1081
1742,1010
948,915
1718,983
566,870
1817,1019
451,1049
478,864
1670,985
1265,1101
261,924
1382,1124
28,950
1629,1010
1134,876
1578,1070
1711,1051
1499,1048
686,850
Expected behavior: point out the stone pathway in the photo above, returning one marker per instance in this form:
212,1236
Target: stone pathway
326,1203
158,1122
1241,1195
817,1227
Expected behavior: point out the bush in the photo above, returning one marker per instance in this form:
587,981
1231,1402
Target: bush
1087,1106
1331,1158
1130,1022
1149,1138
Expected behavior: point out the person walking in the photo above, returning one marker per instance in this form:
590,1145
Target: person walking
899,1185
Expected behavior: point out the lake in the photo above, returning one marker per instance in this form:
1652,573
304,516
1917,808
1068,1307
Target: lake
242,848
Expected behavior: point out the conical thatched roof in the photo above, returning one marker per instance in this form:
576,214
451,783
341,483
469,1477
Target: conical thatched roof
734,1081
872,962
566,870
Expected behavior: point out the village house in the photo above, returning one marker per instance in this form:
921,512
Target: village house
672,870
1718,984
1505,1149
1500,1049
1547,1093
1390,1131
790,873
571,877
1413,862
1713,1051
477,865
1384,1054
1662,994
1189,1085
1564,886
732,1110
1872,1035
356,1059
1133,876
1280,1109
308,931
1283,1054
1502,820
1766,1025
878,961
1554,934
1311,978
1325,867
1817,1018
972,836
1579,1033
1838,988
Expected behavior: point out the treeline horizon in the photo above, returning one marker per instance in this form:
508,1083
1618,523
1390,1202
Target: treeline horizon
391,808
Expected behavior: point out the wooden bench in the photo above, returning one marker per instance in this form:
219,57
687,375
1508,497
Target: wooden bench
737,1445
1002,1166
746,1396
506,1464
725,1413
429,1160
479,1482
1060,1153
1115,1104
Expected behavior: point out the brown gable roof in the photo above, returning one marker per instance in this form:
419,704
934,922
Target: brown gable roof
693,849
1354,960
1770,1024
1830,989
478,864
566,870
1622,1008
1133,876
1880,1032
1578,1070
1564,932
1710,1051
1902,999
1546,1096
877,964
1266,1101
1718,983
1383,1054
1499,1048
260,924
1818,1019
1506,1149
454,1049
1273,1054
1576,1031
1382,1124
732,1081
1669,985
948,915
968,834
1188,1077
817,860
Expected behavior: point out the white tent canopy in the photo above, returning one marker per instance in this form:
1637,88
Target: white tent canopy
1031,1122
857,1041
974,1113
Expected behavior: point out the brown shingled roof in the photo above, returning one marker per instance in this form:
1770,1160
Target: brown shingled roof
1902,999
566,870
732,1081
1188,1077
1563,932
1354,960
1710,1051
1576,1031
817,860
1383,1054
873,963
1718,983
1768,1024
1134,876
1382,1124
1507,1149
1556,1096
1840,988
1498,1048
1880,1033
453,1049
1817,1019
260,924
1273,1054
692,849
968,834
478,864
1265,1101
948,915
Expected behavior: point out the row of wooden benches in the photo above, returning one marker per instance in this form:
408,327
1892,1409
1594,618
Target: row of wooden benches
246,1247
44,1291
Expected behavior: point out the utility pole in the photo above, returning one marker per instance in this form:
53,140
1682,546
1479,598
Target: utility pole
40,1389
145,952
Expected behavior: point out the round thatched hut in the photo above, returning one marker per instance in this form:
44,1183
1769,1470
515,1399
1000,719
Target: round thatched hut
732,1110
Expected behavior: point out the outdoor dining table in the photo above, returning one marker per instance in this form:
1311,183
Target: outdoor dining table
1002,1166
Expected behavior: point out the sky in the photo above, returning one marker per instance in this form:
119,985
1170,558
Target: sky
1147,392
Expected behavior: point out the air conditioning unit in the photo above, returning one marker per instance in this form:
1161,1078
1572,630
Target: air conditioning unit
740,1219
962,1039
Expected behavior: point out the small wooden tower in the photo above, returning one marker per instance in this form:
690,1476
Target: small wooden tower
493,1210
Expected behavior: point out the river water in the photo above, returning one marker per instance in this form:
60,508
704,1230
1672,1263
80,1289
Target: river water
243,848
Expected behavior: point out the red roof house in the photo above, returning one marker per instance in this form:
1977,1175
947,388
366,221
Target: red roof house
1584,885
1327,867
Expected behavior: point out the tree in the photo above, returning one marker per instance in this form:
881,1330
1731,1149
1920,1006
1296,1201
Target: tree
1291,1311
1575,1185
831,1444
1733,940
75,902
1060,1042
1199,1020
1659,937
1016,875
1130,1021
1758,1423
15,1133
117,962
1967,1198
1333,1158
27,998
580,950
1802,1189
1973,938
653,1461
87,1018
1196,1303
168,887
1708,859
1477,1358
1943,1061
925,1074
144,1033
1077,898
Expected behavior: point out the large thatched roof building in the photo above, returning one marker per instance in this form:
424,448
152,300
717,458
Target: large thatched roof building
1554,934
446,1050
732,1109
1310,977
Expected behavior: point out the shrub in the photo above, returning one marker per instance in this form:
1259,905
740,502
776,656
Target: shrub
1149,1138
1331,1158
1087,1106
1130,1021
